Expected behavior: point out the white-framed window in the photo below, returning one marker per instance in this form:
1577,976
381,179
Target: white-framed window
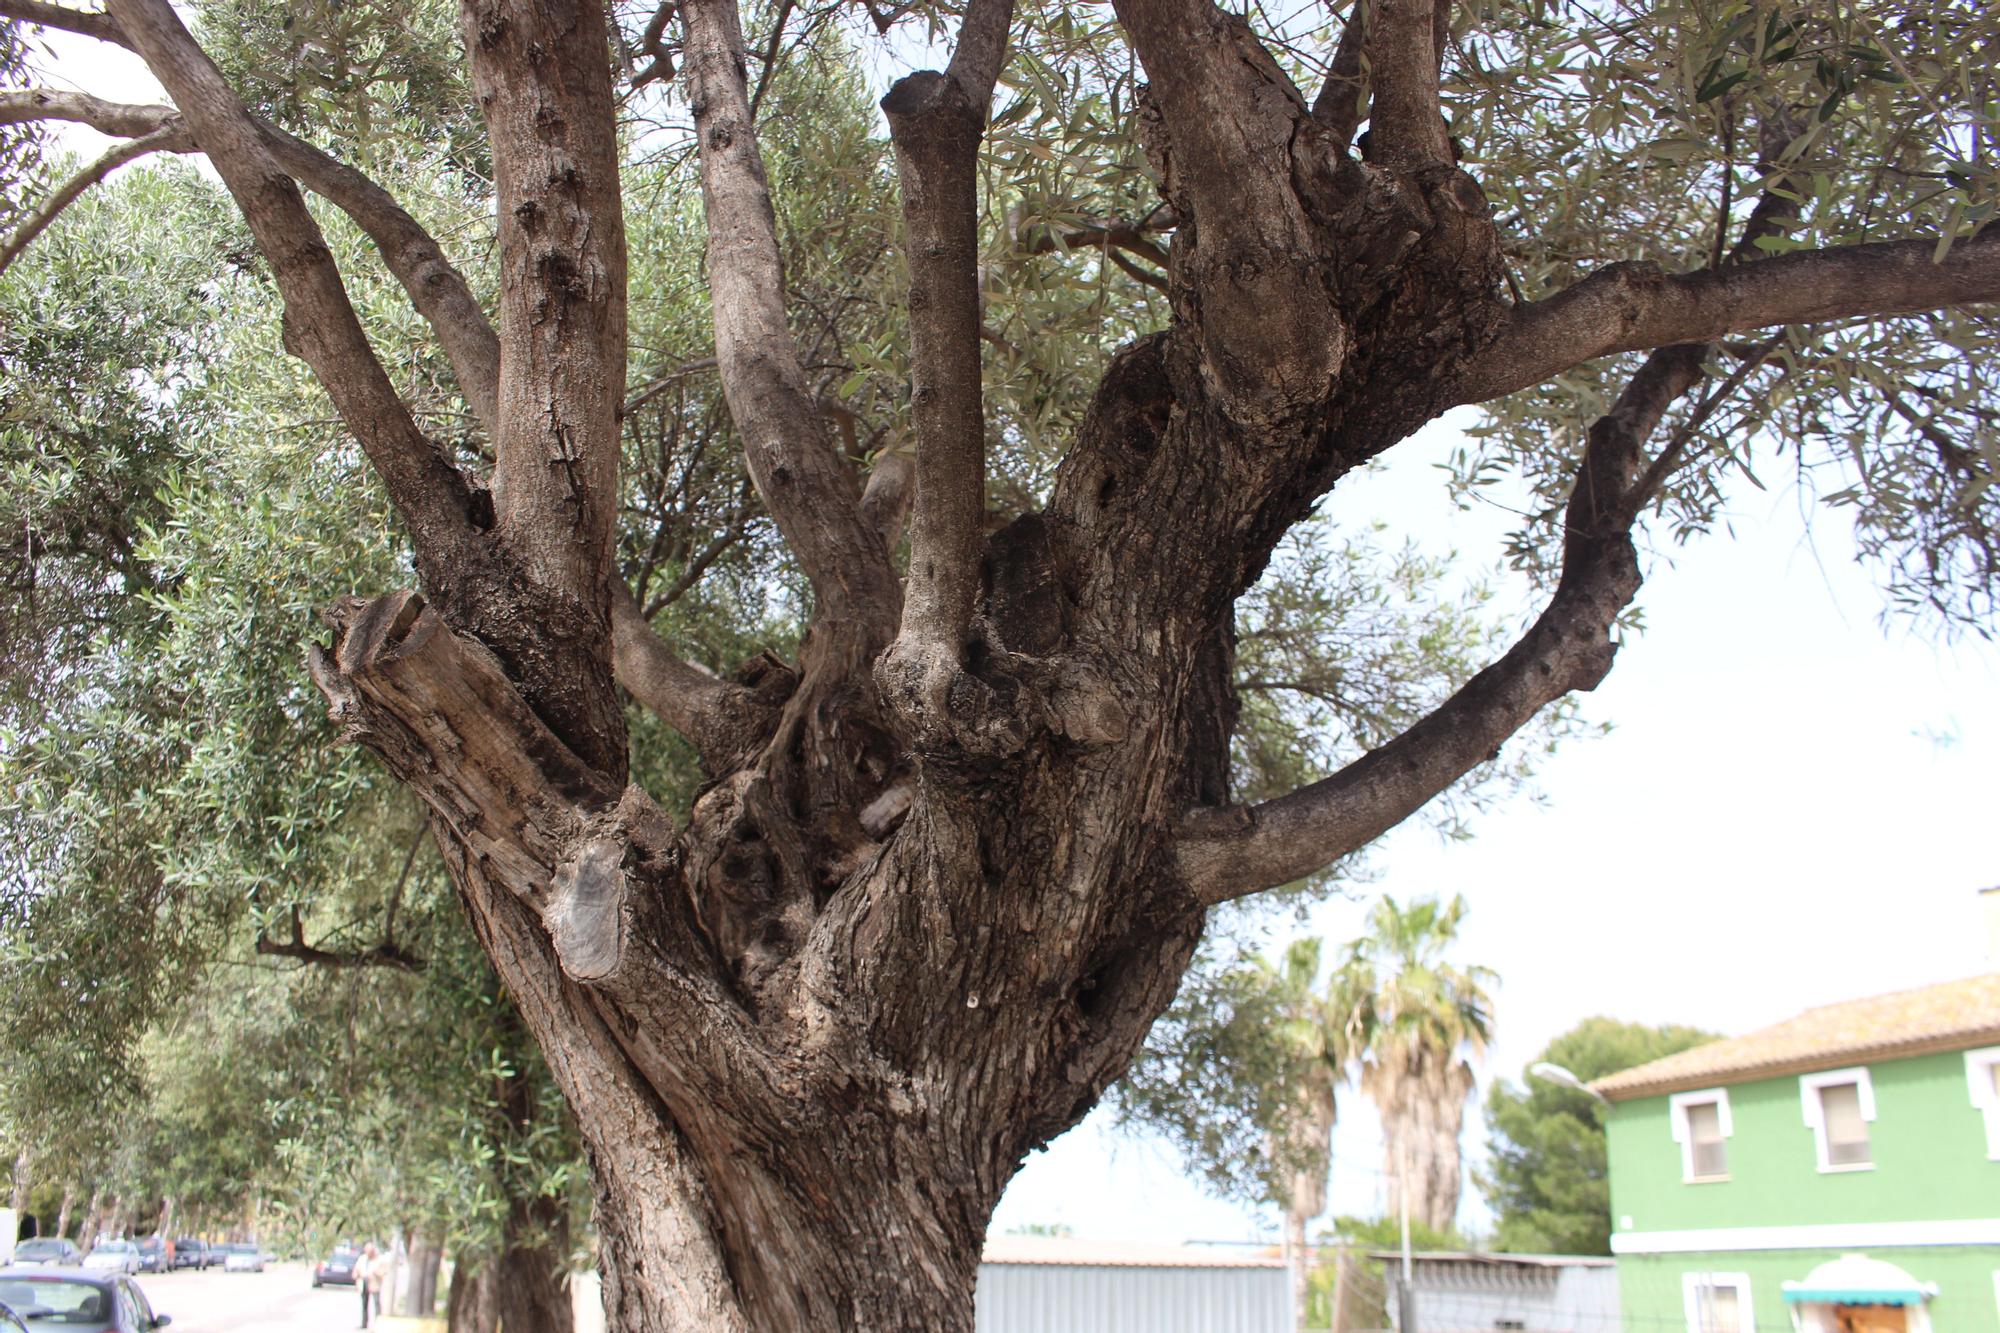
1982,1078
1702,1127
1839,1105
1718,1303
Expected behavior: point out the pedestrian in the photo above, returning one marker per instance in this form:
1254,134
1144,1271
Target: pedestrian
368,1273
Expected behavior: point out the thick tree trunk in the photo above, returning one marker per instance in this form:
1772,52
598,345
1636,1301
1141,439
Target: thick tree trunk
419,1296
473,1305
93,1220
531,1277
62,1213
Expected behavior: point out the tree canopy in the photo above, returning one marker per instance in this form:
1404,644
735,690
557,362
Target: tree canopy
1545,1176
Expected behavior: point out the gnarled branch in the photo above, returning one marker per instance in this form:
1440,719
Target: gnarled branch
1634,306
1229,853
1230,152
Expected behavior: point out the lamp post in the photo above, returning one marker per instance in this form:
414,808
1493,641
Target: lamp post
1562,1078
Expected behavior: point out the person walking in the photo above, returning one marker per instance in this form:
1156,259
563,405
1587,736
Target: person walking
369,1271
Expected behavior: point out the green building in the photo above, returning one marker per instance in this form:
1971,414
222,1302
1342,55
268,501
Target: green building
1836,1173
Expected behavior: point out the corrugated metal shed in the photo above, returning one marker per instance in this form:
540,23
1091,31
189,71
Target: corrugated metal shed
1546,1293
1036,1284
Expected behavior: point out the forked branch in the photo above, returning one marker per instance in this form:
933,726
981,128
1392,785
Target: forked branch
320,324
160,140
387,954
1229,853
435,288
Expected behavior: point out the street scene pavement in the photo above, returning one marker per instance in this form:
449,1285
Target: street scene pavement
280,1298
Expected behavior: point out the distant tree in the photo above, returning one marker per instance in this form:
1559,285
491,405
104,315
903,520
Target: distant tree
1424,1021
1242,1075
1545,1178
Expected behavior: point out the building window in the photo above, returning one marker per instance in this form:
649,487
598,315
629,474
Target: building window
1702,1128
1839,1106
1718,1303
1982,1075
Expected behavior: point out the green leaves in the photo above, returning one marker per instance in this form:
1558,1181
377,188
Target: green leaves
1545,1176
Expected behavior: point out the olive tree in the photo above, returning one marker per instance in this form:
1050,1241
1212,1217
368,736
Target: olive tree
952,857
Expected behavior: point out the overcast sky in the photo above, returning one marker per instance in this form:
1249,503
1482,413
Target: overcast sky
1795,806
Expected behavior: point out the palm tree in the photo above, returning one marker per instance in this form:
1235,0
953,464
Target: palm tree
1420,1022
1316,1031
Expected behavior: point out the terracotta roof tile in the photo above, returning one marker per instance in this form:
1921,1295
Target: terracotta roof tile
1953,1016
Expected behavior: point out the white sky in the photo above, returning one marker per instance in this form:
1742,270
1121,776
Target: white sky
1795,807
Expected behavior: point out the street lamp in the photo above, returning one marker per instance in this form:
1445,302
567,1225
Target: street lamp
1562,1078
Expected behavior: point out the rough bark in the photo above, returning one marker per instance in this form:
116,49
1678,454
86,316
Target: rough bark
530,1276
473,1303
951,863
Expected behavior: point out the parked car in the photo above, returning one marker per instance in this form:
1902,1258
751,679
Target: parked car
152,1253
78,1301
49,1252
113,1256
242,1259
337,1268
192,1253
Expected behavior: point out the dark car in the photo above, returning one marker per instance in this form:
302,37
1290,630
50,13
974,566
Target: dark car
77,1301
191,1253
337,1269
152,1254
49,1252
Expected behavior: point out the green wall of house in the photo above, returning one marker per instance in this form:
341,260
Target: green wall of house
1928,1143
1651,1291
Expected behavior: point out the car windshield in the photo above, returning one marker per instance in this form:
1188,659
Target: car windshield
115,1247
54,1300
38,1247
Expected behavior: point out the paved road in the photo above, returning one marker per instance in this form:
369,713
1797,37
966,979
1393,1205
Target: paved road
279,1300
